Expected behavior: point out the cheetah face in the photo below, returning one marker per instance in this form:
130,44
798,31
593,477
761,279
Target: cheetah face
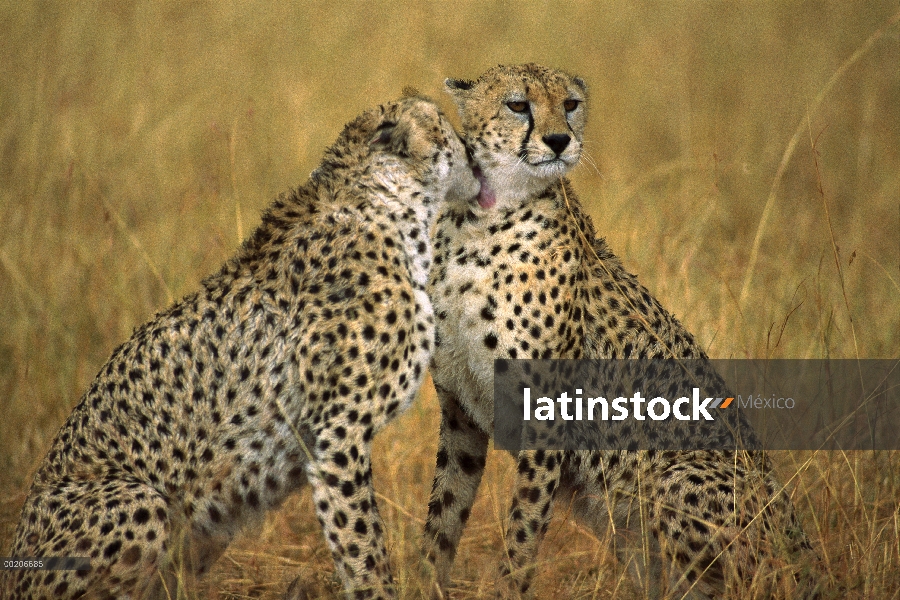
524,126
411,138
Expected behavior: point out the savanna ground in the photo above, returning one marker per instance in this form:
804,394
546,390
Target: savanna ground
744,160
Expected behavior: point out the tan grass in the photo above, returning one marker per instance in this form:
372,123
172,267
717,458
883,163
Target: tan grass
139,141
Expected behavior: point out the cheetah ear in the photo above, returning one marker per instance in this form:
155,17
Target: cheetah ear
383,134
580,83
458,90
458,84
393,137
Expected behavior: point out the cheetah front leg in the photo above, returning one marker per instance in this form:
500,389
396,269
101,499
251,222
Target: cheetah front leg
341,478
532,507
462,451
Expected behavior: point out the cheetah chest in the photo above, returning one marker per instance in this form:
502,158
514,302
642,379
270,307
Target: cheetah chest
504,287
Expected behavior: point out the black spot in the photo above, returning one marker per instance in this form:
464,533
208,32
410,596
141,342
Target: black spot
112,549
360,527
141,516
215,515
470,464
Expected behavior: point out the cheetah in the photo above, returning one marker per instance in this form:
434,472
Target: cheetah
277,372
519,273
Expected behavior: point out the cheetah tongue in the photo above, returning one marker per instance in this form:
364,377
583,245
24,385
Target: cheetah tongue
486,196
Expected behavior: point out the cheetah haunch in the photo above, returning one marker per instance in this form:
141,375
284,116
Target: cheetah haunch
277,372
520,273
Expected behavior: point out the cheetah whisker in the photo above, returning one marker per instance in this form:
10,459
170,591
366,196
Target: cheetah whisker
587,158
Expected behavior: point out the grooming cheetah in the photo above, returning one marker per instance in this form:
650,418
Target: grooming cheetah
277,372
520,273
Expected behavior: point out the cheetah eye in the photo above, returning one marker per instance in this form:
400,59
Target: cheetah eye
571,105
517,106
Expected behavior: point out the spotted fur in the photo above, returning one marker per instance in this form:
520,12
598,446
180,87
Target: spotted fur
520,273
276,373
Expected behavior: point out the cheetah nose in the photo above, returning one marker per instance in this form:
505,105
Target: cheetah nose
557,142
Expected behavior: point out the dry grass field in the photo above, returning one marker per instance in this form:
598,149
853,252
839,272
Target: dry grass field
747,168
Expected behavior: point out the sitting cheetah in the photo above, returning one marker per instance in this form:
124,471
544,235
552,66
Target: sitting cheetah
277,372
519,273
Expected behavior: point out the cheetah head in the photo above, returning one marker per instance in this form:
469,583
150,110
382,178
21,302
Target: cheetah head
408,149
523,125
